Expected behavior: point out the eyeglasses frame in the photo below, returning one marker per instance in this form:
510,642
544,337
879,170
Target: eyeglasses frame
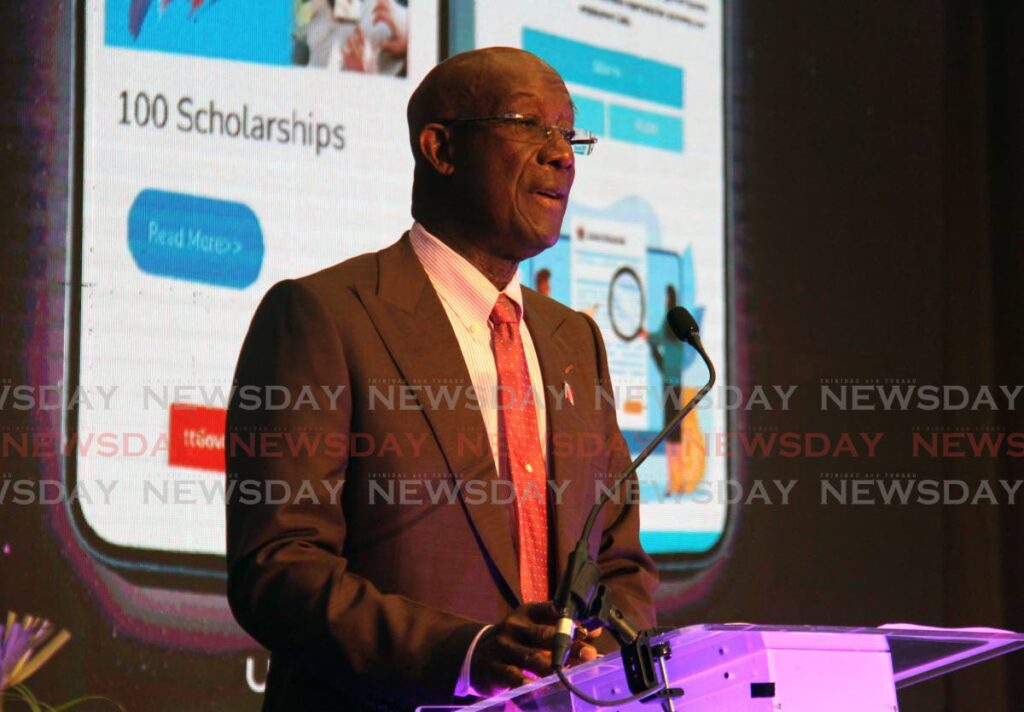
579,146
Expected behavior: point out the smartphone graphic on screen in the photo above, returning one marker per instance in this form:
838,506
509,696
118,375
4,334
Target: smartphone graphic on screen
212,166
681,513
680,516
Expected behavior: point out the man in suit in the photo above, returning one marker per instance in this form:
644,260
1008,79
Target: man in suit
400,572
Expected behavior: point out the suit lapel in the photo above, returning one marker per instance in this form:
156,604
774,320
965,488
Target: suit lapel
414,326
572,486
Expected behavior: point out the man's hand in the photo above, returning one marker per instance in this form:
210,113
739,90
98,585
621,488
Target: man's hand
520,645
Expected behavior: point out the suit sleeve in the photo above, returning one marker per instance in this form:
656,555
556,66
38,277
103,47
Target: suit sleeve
625,568
288,581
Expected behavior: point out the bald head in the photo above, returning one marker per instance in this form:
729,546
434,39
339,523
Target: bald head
474,83
494,188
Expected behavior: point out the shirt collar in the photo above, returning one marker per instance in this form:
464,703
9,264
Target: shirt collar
458,282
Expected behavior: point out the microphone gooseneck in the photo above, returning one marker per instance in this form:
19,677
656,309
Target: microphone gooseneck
576,589
683,326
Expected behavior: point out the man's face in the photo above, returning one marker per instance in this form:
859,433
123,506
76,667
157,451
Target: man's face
511,192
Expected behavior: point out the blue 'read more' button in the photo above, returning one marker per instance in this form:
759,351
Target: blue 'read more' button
195,239
607,69
646,128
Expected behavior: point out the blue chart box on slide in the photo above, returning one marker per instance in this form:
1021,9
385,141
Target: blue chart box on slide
607,69
195,239
647,128
589,114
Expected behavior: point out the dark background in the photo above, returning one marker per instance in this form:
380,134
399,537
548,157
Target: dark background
876,209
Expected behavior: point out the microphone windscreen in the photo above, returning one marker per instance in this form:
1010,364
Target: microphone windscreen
682,323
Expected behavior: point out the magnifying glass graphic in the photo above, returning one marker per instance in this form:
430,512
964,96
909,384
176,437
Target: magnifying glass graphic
626,304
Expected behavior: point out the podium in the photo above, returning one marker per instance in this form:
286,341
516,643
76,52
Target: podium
765,668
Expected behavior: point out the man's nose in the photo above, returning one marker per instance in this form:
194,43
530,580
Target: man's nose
558,152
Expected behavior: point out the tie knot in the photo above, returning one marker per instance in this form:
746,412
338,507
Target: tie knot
505,311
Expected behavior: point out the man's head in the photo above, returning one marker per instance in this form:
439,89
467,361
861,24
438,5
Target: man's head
484,183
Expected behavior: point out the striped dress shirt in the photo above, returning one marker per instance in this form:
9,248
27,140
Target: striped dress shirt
468,298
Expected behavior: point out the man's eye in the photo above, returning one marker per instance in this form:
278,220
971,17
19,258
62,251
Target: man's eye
530,123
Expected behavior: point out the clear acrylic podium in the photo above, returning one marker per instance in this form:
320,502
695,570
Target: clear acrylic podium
761,668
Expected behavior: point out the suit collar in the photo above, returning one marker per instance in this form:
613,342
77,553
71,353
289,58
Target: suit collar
414,326
400,276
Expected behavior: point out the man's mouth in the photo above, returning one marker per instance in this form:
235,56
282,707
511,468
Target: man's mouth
552,196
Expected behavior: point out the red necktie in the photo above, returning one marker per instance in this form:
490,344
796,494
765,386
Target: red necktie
517,420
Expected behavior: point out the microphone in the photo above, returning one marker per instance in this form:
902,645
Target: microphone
576,589
683,325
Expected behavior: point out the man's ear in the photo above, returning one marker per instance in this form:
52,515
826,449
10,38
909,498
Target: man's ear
436,148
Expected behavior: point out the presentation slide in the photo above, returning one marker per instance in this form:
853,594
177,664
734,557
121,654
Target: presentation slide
645,225
228,145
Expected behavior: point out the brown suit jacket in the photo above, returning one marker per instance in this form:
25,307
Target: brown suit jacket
368,594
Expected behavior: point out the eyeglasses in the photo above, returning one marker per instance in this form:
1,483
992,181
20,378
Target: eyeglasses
526,128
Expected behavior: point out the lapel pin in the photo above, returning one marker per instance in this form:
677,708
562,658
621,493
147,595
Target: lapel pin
567,393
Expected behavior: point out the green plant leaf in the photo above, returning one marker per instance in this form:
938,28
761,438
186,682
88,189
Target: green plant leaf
20,693
26,695
79,700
